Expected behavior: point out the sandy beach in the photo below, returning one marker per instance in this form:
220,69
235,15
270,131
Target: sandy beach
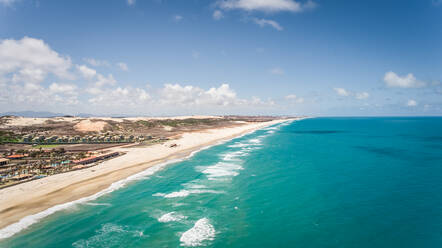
35,196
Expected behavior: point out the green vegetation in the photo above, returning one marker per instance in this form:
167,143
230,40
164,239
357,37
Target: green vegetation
177,123
44,146
8,137
149,124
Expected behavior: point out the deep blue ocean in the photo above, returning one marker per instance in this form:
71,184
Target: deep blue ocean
321,182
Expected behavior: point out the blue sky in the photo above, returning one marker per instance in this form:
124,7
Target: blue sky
164,57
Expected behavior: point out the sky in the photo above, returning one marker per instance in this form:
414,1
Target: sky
222,57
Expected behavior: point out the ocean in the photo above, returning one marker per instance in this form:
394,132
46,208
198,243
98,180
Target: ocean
320,182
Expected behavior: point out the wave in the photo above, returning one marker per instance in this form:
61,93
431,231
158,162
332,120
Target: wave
171,216
200,232
109,235
185,192
97,204
222,169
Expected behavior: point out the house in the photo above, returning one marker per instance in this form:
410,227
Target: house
3,161
16,156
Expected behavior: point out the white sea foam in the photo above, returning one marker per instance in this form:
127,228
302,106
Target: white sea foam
238,144
222,169
172,216
97,204
109,235
195,186
255,141
233,156
187,192
200,232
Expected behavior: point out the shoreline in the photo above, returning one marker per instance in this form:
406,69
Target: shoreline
28,203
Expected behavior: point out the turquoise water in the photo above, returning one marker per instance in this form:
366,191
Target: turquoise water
323,182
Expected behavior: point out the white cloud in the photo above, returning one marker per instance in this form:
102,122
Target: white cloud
131,2
102,80
217,15
266,5
362,95
291,97
277,71
191,96
68,89
96,62
412,103
177,18
265,22
393,80
24,65
294,98
120,97
341,91
31,60
123,66
86,71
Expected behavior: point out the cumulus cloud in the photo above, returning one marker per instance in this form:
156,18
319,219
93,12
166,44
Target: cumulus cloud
86,71
28,64
341,91
277,71
265,22
362,95
393,80
266,5
191,96
412,103
69,89
217,15
120,97
123,66
31,60
102,80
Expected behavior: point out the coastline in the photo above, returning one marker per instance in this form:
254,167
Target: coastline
25,204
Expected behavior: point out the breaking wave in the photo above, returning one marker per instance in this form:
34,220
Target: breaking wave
172,216
200,232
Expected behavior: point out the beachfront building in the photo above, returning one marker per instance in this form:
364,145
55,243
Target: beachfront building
16,156
93,159
3,161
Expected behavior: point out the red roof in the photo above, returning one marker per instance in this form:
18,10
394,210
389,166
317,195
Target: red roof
16,156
